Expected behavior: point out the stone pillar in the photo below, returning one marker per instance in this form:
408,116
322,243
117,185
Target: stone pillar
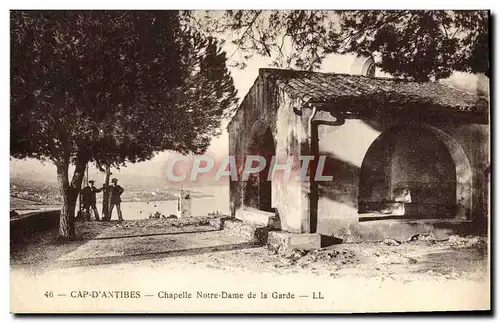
183,204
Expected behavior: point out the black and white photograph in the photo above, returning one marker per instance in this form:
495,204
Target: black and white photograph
250,161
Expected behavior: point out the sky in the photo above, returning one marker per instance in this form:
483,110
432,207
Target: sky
243,80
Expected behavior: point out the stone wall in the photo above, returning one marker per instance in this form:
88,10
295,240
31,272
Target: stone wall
265,108
26,226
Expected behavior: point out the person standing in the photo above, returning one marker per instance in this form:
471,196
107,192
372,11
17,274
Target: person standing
116,192
89,200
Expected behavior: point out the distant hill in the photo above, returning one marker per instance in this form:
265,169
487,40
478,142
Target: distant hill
32,173
147,176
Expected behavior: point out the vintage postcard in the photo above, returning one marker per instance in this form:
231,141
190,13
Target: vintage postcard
249,161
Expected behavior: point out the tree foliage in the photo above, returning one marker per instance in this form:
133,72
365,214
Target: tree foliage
117,86
112,87
413,44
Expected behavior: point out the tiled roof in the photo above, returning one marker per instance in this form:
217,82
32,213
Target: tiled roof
356,91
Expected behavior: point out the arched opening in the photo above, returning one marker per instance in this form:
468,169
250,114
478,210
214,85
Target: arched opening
258,190
415,171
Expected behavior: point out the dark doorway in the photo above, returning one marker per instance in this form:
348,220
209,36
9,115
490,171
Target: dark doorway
408,172
258,190
268,150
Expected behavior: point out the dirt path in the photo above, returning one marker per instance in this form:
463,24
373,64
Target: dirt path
113,238
96,252
115,242
352,280
152,256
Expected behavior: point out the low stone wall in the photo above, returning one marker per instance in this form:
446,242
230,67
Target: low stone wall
30,224
378,228
258,234
257,217
284,240
404,229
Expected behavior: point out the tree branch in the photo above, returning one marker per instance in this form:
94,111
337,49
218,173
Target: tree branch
257,14
345,40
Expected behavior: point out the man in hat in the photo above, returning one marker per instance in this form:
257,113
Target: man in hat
89,200
116,192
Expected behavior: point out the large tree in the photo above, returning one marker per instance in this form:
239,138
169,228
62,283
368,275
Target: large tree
414,44
111,87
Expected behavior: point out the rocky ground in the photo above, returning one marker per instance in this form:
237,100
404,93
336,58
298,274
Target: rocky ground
154,247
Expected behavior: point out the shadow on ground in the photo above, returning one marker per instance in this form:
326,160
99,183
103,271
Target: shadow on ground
39,249
153,255
116,242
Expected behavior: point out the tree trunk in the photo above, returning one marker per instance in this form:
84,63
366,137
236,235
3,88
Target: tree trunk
76,182
69,194
106,196
65,221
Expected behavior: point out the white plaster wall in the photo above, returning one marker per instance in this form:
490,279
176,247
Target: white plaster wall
345,146
288,195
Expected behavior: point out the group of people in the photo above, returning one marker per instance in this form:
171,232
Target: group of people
88,201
